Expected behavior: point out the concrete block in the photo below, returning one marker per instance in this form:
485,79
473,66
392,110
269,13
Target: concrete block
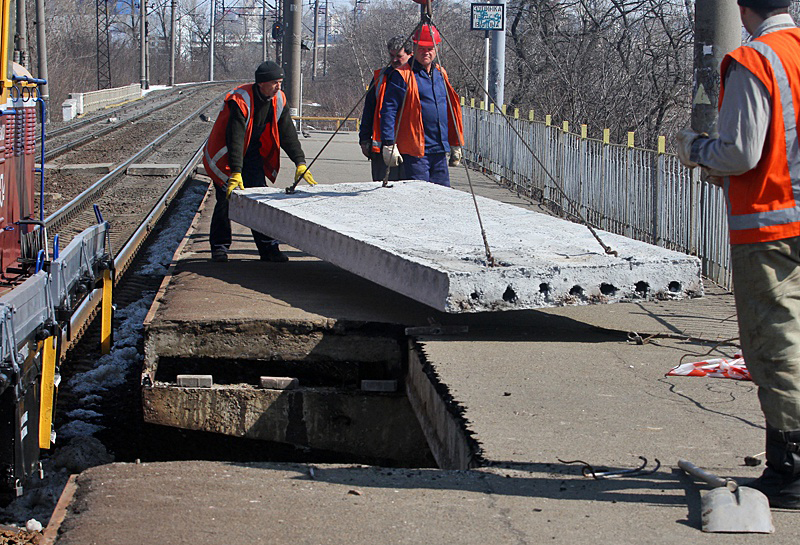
379,385
195,381
145,169
279,383
88,168
69,109
424,241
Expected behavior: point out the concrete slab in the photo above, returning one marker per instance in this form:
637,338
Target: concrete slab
424,241
150,169
88,168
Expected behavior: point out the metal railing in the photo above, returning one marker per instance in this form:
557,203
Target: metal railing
642,194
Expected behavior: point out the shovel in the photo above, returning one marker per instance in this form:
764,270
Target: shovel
731,508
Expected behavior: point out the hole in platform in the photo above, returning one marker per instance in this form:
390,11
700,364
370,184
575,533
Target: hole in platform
642,287
576,291
510,296
544,288
608,289
328,419
675,286
475,295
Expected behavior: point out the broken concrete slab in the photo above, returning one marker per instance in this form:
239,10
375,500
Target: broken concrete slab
151,169
424,241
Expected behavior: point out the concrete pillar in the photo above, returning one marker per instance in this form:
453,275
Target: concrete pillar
718,30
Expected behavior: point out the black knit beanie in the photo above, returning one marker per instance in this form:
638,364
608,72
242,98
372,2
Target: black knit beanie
765,4
268,71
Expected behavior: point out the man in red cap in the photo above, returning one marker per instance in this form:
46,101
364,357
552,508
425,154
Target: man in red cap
756,160
431,125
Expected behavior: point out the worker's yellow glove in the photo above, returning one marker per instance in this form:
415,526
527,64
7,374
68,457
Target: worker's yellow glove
234,182
303,172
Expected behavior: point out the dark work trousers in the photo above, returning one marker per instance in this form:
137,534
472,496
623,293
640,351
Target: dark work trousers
379,169
220,232
430,168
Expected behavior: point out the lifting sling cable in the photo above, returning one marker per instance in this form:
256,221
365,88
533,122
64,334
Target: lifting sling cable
490,261
576,211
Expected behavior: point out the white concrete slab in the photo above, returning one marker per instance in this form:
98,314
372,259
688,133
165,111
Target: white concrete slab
424,241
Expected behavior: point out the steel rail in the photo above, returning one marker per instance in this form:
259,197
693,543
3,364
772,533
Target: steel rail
79,203
126,254
55,152
72,125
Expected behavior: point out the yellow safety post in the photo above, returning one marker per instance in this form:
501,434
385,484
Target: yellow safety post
584,130
516,113
491,107
630,139
483,105
504,109
662,144
565,126
105,314
606,136
548,119
48,390
530,115
472,103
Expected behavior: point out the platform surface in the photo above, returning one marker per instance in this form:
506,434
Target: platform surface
535,386
425,241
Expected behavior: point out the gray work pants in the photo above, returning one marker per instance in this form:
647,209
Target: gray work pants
766,283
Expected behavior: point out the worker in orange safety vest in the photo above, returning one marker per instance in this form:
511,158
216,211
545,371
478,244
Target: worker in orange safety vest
243,150
421,119
756,161
369,131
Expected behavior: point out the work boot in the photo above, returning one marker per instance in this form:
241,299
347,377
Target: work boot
274,255
780,482
219,256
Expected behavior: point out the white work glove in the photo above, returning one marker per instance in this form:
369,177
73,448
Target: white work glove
391,156
455,156
683,141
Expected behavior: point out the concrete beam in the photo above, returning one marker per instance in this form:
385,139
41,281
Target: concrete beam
152,169
424,241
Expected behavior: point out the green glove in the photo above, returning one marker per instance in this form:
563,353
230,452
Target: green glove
303,172
234,182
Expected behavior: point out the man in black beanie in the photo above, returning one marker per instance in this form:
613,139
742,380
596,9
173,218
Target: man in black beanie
243,150
756,160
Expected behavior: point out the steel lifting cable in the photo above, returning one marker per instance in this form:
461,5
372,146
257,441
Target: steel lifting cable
577,212
490,261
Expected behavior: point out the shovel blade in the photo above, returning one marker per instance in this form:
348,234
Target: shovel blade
743,511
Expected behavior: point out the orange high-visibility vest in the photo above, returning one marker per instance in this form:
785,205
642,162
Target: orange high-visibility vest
764,202
215,153
379,80
411,134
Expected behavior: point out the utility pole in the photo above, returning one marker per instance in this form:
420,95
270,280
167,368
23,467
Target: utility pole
497,70
173,25
41,49
212,38
325,51
143,43
487,48
717,31
103,46
292,31
21,54
263,30
314,52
